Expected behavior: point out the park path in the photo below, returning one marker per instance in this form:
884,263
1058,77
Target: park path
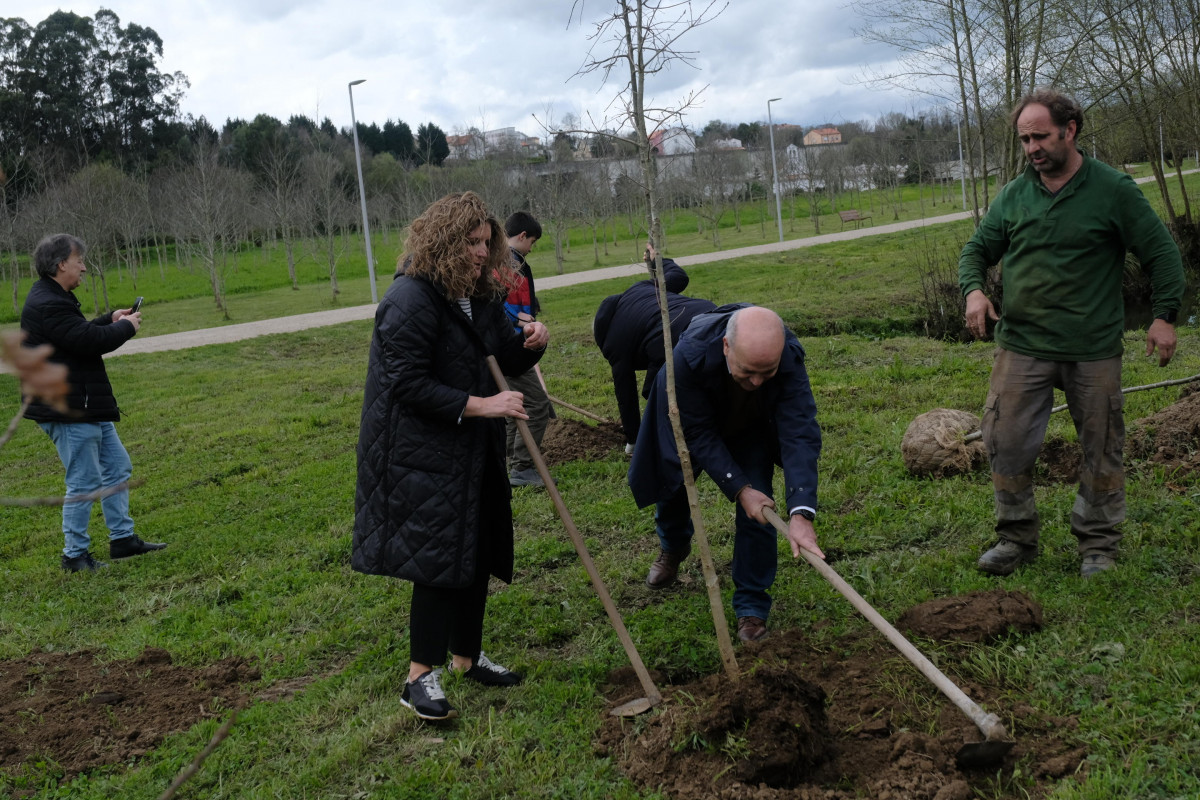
318,319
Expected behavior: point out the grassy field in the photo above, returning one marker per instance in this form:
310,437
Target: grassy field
247,452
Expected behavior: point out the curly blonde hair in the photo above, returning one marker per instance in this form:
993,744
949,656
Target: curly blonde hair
437,248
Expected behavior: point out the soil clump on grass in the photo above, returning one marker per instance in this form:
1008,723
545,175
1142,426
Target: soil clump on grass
843,721
1171,437
572,440
78,713
975,617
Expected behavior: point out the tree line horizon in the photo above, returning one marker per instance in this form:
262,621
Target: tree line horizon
91,140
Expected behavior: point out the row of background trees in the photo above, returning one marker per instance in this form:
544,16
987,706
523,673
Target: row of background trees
91,140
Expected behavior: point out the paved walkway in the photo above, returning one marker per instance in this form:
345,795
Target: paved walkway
299,322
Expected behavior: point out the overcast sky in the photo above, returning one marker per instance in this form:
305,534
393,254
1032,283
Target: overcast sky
492,63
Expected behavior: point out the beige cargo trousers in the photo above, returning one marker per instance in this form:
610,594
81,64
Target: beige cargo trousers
1020,396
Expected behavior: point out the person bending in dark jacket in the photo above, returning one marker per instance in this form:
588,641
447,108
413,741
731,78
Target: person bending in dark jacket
745,404
432,502
628,331
85,436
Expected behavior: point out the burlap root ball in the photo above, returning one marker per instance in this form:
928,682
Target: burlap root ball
933,444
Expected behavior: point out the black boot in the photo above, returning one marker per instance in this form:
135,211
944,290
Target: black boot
129,546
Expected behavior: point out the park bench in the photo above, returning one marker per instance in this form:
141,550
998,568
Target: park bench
854,216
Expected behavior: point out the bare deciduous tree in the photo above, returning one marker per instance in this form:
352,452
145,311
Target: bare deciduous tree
209,211
644,37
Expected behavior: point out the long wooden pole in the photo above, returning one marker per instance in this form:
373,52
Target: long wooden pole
989,724
652,693
581,411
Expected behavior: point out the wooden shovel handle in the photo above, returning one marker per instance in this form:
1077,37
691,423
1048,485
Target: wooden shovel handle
988,724
652,693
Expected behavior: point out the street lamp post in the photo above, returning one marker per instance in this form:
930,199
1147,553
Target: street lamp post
774,171
962,167
362,193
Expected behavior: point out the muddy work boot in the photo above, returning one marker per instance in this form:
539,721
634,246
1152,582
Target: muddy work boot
666,567
1095,563
751,629
1005,557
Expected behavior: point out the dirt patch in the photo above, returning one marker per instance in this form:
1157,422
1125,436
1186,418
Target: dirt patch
79,713
1171,437
1058,461
572,440
864,723
975,617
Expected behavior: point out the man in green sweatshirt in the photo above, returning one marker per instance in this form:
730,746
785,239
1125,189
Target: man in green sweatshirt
1062,228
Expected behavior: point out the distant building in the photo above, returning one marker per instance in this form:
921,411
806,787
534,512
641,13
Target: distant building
728,144
826,134
511,140
467,147
672,142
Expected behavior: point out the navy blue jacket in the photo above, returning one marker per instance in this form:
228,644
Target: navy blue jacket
628,331
702,389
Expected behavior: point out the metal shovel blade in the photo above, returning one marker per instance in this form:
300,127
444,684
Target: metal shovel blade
980,755
634,707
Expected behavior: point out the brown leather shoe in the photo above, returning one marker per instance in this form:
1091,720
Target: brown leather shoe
666,567
751,629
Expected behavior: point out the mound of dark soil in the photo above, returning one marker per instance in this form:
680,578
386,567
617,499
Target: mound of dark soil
572,440
975,617
1170,437
717,738
80,713
770,724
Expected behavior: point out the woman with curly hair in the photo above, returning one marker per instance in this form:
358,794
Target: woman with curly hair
432,503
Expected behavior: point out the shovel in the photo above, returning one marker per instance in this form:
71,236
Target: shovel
972,755
653,697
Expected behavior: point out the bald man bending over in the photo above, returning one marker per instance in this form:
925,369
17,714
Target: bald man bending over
746,405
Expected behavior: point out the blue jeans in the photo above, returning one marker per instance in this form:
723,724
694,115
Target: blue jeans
755,547
94,458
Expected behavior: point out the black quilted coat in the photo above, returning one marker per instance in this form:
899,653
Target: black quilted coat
422,467
51,316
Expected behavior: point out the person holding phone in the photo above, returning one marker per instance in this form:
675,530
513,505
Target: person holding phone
86,436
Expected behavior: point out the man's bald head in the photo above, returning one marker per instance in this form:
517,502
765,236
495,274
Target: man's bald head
754,341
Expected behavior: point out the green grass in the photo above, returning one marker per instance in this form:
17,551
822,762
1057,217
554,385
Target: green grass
247,452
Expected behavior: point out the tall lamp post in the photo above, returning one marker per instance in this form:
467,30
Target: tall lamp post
362,193
774,171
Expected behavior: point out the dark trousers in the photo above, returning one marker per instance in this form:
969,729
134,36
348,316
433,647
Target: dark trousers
537,406
1014,424
441,619
755,548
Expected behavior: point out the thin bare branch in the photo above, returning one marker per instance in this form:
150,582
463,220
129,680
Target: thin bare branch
198,761
99,494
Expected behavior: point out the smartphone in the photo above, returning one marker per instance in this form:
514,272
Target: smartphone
137,304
